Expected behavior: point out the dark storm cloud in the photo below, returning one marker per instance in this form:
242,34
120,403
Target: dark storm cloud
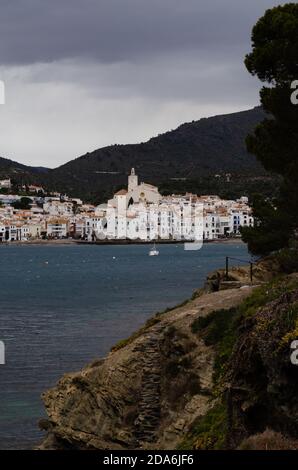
82,74
122,30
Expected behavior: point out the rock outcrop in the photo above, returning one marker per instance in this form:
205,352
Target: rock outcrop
262,383
255,381
147,392
213,373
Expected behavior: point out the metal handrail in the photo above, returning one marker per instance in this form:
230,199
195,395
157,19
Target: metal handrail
242,261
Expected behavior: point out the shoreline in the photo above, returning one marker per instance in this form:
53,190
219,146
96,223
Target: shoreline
39,242
115,242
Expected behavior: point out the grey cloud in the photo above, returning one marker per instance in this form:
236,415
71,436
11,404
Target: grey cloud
81,74
115,30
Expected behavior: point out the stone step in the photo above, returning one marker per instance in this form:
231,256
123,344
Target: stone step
148,418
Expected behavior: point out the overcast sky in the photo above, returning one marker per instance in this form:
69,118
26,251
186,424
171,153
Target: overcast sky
83,74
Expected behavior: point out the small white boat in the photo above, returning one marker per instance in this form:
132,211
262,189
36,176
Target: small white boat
153,251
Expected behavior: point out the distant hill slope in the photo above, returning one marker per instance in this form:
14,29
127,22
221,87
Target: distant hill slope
195,151
19,172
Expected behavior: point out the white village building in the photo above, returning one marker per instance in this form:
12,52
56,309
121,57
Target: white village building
140,212
5,184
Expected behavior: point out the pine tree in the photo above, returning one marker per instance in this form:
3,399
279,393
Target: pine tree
274,60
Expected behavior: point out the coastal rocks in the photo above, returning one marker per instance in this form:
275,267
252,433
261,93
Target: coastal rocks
262,384
147,391
224,285
95,407
238,277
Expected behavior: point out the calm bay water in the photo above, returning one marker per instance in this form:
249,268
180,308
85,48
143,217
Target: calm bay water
64,306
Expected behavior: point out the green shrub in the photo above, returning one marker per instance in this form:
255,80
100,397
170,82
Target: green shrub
207,432
219,329
177,365
265,294
288,260
201,323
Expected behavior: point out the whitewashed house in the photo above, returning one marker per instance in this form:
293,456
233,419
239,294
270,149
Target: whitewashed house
2,232
57,208
5,184
57,227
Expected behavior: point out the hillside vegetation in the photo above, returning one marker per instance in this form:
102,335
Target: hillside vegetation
196,157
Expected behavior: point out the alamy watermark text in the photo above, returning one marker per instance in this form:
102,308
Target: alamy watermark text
294,95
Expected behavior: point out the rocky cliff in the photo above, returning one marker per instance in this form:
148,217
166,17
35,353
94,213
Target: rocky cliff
210,373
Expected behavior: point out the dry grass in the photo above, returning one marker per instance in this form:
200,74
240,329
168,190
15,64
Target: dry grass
269,440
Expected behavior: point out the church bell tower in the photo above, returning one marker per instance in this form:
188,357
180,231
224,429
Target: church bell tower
132,180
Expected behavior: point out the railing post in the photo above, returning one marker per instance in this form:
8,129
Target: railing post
242,261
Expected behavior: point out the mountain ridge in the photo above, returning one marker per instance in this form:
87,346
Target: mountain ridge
193,151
